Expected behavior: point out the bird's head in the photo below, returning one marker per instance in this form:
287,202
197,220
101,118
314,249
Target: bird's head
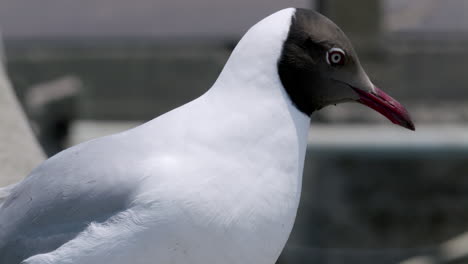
318,67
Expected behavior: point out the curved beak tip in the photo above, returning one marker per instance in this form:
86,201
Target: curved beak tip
409,125
387,106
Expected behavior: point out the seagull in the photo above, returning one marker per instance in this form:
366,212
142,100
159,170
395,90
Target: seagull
216,180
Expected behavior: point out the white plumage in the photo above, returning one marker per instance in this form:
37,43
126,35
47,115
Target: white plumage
214,181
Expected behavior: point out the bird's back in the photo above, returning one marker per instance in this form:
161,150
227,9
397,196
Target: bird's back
181,175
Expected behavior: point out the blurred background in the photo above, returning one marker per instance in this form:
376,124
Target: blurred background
372,192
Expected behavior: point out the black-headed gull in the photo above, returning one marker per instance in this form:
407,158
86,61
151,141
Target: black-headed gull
216,180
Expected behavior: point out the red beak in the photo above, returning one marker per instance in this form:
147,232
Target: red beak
386,105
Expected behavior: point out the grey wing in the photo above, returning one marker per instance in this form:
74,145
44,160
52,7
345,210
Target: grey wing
57,202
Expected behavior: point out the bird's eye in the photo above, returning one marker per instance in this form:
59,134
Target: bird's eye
336,57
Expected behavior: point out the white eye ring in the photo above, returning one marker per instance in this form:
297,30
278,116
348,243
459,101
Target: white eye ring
335,56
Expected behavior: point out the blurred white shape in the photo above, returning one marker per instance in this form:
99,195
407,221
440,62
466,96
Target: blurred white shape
40,95
454,250
420,260
19,150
